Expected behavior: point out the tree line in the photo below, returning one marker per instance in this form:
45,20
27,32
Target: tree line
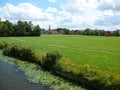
87,31
97,32
24,28
21,28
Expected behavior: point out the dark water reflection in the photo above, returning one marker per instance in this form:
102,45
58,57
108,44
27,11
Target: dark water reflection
13,79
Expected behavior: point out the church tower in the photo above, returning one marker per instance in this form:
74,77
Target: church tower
49,28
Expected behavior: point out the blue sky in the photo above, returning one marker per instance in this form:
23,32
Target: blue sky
72,14
39,3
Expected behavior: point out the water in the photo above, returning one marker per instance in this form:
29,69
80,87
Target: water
11,78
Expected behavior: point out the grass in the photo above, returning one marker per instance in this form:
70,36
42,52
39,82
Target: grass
103,52
37,75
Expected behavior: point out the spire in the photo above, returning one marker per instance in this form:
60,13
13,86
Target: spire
49,27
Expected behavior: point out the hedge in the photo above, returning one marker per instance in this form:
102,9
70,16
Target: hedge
53,61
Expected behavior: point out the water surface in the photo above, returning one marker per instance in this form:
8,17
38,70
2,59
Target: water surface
11,78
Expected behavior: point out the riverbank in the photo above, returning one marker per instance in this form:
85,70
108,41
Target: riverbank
34,74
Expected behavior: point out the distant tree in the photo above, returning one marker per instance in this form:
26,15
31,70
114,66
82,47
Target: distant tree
1,27
9,28
66,31
3,30
27,28
37,31
101,32
63,30
87,31
22,28
96,32
116,32
19,29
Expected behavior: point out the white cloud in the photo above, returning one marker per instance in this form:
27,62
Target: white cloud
92,13
81,12
109,4
110,10
26,11
108,13
51,10
22,11
79,6
106,4
53,1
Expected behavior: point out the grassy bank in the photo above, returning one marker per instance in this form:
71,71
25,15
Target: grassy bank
103,52
55,62
35,74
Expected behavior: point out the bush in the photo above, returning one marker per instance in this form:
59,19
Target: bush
50,60
22,53
26,54
6,51
2,45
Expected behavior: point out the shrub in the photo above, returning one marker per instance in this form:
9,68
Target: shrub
50,59
6,51
22,53
27,54
2,45
38,57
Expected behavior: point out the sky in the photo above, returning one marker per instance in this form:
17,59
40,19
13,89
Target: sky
72,14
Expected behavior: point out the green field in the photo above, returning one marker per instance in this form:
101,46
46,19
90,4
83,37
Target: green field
94,50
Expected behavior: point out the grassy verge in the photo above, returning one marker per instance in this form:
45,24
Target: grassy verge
53,61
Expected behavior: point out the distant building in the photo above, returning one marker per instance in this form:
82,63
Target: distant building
108,33
49,28
54,31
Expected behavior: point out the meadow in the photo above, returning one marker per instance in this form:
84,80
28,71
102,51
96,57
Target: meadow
97,51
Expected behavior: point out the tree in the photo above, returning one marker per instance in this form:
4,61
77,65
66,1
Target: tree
19,28
37,31
22,28
87,31
116,33
1,27
63,30
9,28
101,32
96,32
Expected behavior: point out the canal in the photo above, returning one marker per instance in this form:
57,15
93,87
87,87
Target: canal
11,78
